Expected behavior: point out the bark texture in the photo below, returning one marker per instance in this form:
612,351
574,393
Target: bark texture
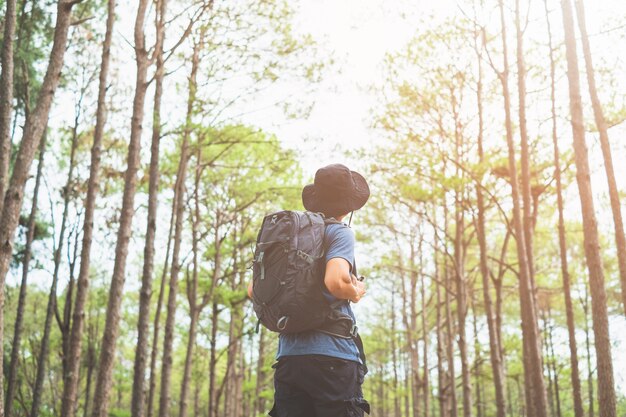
33,132
536,399
107,353
606,384
143,322
6,95
70,384
598,113
567,294
19,316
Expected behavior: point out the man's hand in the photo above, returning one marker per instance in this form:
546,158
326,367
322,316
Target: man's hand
360,290
341,283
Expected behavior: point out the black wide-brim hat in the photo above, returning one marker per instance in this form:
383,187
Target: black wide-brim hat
335,191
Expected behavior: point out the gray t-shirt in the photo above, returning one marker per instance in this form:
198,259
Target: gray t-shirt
339,243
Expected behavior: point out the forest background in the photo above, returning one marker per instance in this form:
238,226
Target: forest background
143,142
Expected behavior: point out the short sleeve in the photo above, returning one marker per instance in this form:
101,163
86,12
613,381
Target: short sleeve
339,243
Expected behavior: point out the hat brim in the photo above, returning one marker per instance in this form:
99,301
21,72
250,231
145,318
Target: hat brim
314,201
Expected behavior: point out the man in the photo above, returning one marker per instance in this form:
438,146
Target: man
319,374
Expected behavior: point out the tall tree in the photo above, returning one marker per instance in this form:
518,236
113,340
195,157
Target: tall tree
565,276
192,286
6,95
497,367
19,316
143,322
52,298
70,383
33,132
601,124
109,340
536,398
606,384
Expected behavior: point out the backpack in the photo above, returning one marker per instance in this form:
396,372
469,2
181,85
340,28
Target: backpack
288,276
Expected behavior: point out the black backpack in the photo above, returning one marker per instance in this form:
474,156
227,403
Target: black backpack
288,276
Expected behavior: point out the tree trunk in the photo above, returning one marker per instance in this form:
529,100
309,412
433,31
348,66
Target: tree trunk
598,113
191,341
261,374
569,309
533,370
394,354
527,206
213,403
553,363
91,364
107,353
451,383
497,368
439,332
478,360
166,367
590,389
459,266
157,315
410,324
426,374
6,96
52,298
70,384
143,321
33,132
19,316
606,385
194,308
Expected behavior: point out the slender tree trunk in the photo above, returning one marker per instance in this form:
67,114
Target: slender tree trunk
409,318
91,364
440,354
548,367
33,132
553,364
527,214
459,266
533,370
261,374
70,385
157,315
477,364
194,308
528,217
426,375
590,389
166,367
606,385
213,399
497,368
569,309
107,353
52,298
598,113
65,323
19,317
394,355
143,322
191,341
6,96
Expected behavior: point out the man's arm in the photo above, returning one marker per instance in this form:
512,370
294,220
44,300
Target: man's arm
341,283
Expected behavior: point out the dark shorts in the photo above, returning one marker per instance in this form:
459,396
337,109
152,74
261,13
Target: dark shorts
318,386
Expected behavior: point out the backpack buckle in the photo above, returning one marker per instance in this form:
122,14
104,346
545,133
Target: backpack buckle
354,331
